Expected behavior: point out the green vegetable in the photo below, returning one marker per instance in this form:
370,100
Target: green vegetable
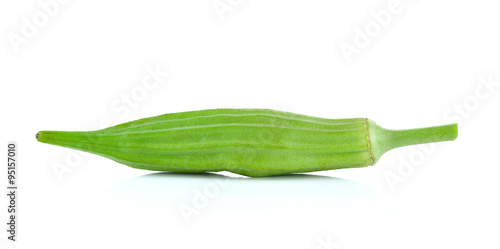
251,142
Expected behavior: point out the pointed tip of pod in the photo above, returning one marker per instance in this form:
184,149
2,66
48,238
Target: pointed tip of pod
41,136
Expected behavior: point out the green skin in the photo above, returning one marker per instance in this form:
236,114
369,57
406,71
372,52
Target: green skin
250,142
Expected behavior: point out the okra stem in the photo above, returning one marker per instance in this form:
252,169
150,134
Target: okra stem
386,139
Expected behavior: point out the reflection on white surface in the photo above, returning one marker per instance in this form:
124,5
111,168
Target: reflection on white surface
178,188
293,211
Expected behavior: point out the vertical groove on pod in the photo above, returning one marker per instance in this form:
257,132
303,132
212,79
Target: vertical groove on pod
369,143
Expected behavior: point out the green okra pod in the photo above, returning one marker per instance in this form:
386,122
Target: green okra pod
251,142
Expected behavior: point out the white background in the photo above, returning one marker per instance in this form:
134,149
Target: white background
429,63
